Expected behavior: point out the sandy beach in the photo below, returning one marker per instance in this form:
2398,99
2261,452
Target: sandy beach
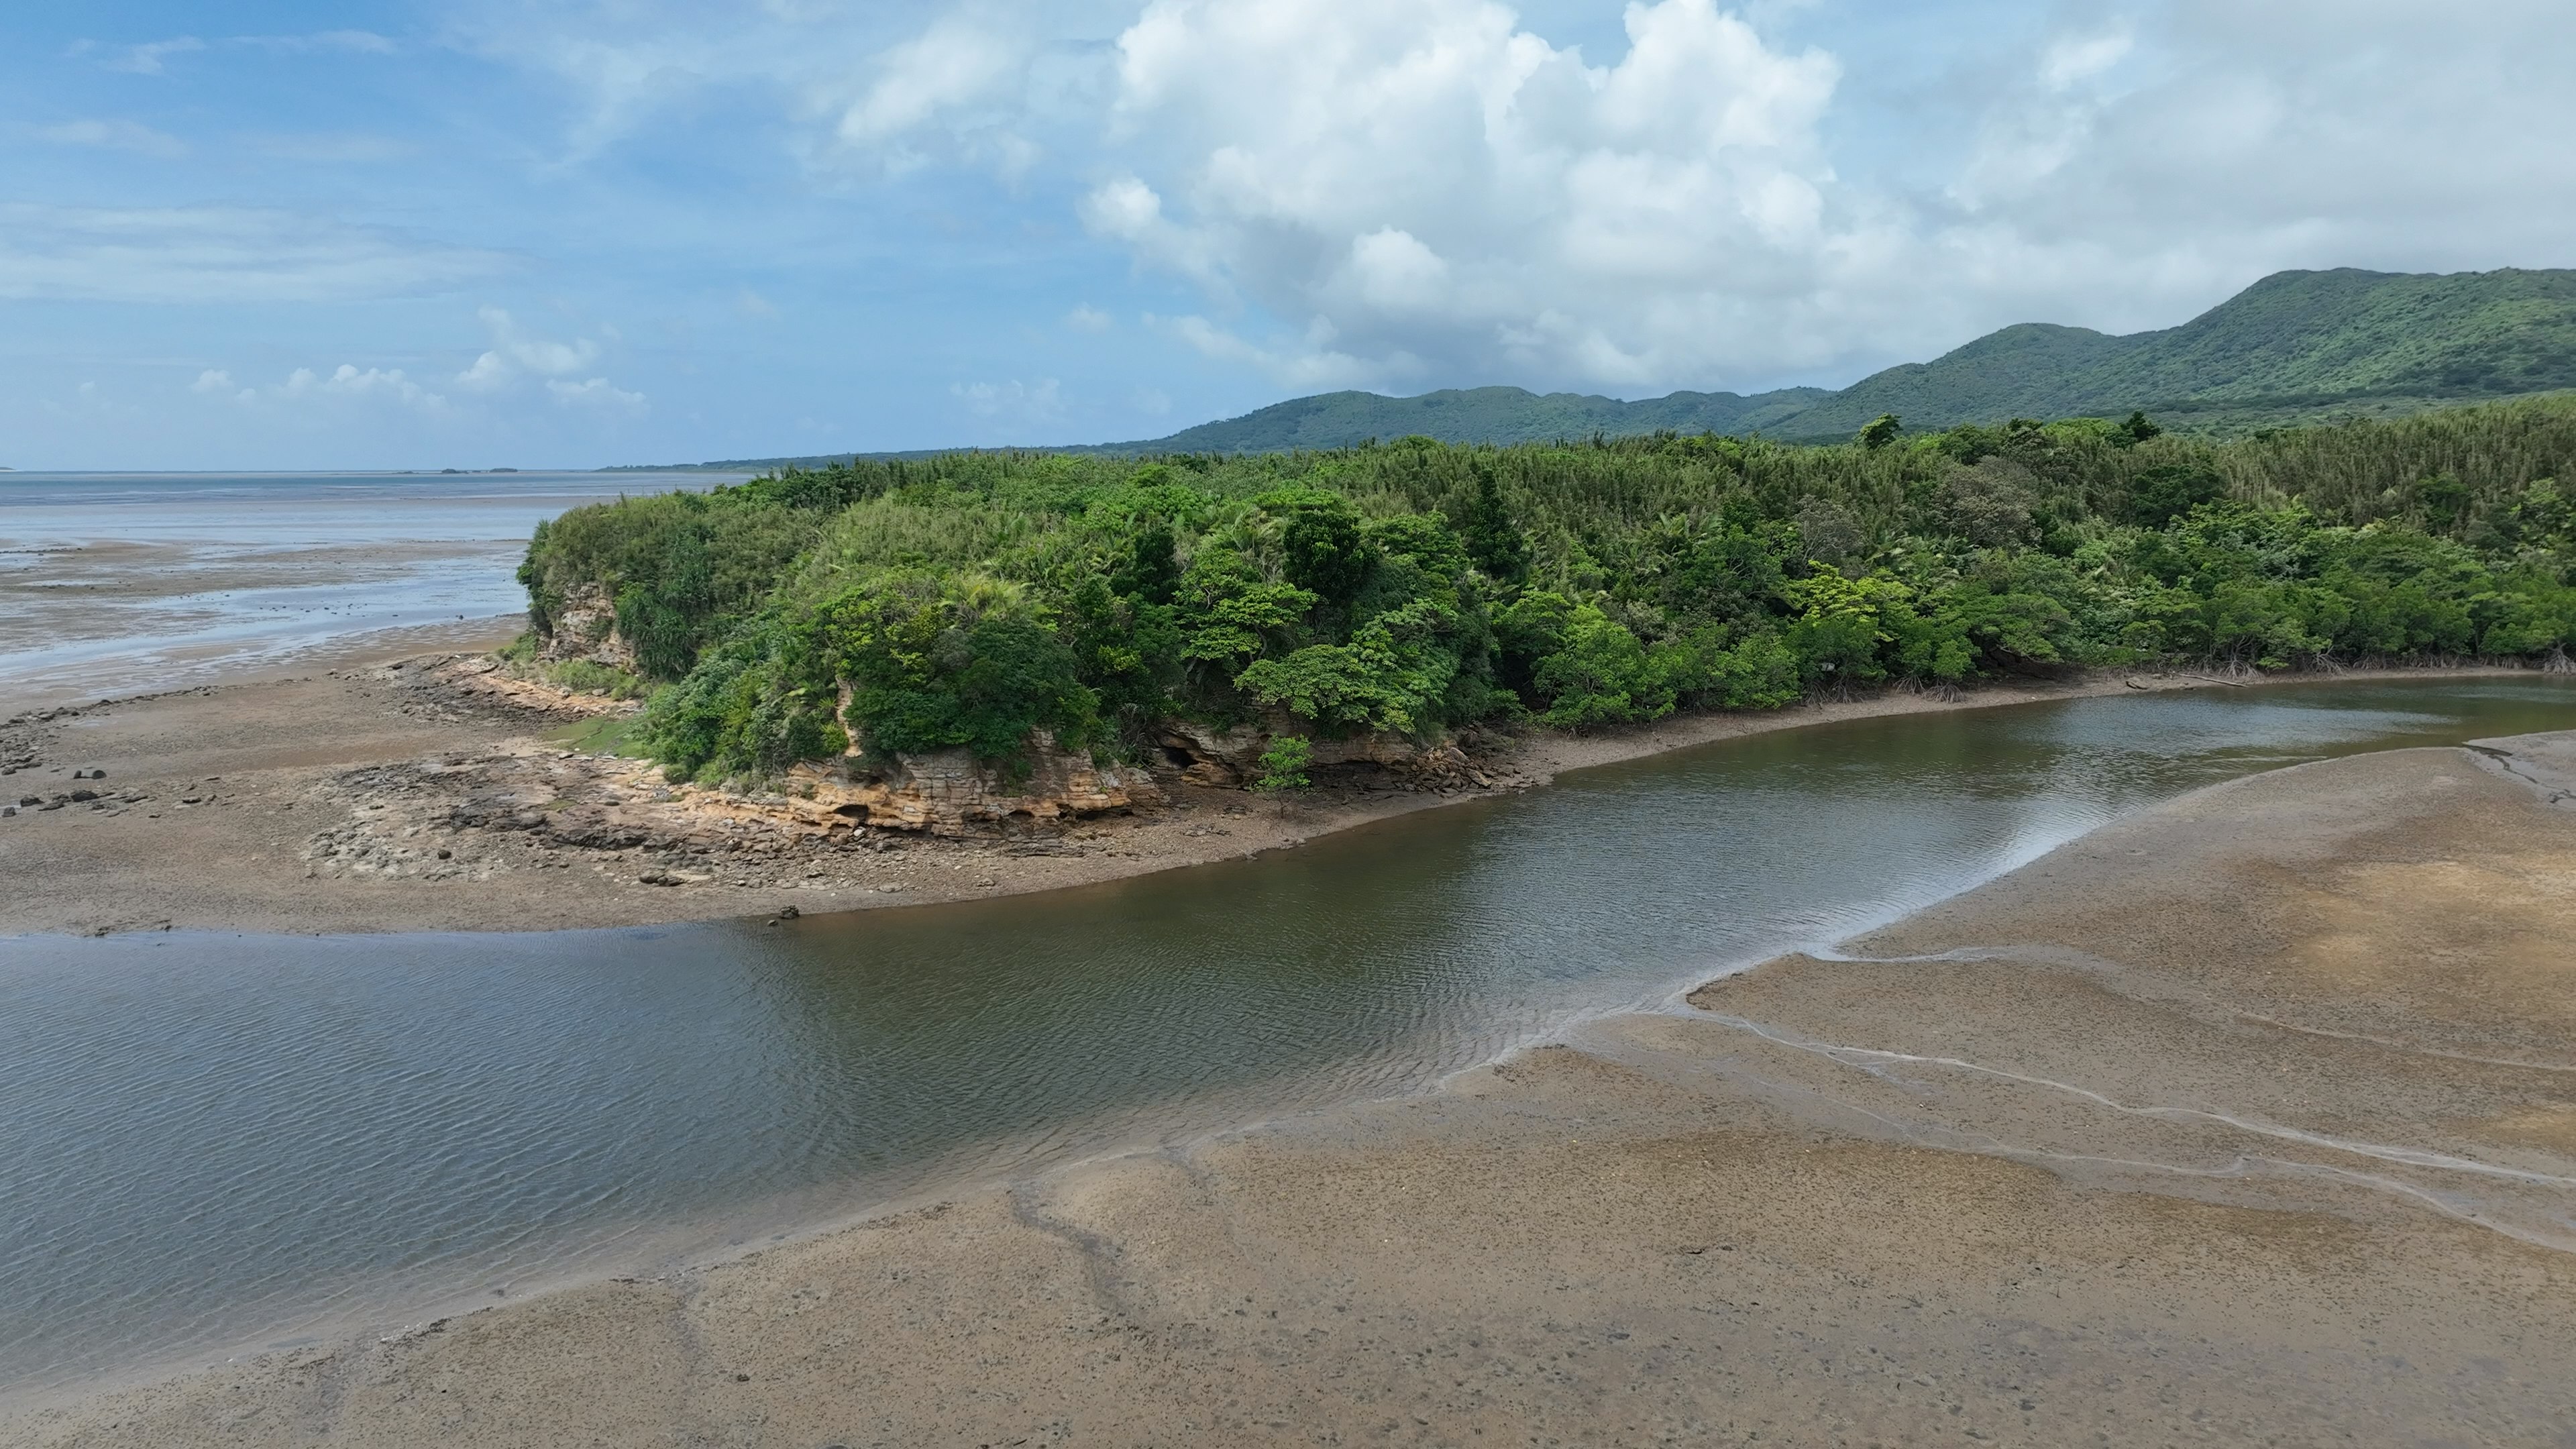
2252,1118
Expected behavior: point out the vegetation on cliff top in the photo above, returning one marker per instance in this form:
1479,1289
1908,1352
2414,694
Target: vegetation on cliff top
973,600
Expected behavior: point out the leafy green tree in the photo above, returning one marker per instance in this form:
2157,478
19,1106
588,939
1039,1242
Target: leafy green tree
1841,624
1283,767
2445,500
2138,429
1393,674
939,662
1320,542
1527,631
1602,675
1229,614
1881,431
1147,569
2544,515
2162,494
1494,543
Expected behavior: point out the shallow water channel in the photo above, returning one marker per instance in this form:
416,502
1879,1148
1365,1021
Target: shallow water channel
221,1143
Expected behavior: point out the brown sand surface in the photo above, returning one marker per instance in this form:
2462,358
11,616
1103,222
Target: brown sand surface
369,793
2245,1121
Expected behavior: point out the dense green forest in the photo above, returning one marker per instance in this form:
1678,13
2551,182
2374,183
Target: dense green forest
1413,587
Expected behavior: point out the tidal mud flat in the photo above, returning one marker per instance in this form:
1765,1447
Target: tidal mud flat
407,792
2250,1118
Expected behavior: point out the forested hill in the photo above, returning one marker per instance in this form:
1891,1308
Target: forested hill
2292,347
2295,347
1498,415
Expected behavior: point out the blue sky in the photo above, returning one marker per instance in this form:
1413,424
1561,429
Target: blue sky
567,234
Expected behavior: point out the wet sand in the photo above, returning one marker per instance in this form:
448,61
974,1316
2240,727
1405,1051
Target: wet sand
331,801
2250,1119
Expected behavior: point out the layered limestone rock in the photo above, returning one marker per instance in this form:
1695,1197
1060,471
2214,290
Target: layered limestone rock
1230,759
950,792
586,628
947,792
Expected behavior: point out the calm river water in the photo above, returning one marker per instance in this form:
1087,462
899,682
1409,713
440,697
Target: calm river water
227,1142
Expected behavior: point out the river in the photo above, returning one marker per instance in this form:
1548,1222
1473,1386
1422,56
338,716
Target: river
219,1143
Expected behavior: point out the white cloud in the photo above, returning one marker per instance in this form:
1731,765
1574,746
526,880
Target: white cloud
114,135
347,381
1087,318
519,354
597,392
961,59
148,59
2081,58
516,352
217,254
1012,401
1308,363
1450,191
1376,194
213,379
1440,188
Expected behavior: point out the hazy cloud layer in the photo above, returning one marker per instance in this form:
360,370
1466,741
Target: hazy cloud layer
217,254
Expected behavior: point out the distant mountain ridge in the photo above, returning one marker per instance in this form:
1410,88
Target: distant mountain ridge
2293,347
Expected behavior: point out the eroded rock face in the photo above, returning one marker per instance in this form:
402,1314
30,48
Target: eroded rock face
1229,759
586,628
946,792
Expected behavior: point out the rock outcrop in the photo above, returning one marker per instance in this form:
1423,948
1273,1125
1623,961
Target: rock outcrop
1230,759
586,628
948,792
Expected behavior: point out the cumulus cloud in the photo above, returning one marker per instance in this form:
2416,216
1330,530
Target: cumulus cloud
348,382
218,254
1387,194
213,379
595,392
1425,185
1012,401
516,352
520,355
1425,192
1087,318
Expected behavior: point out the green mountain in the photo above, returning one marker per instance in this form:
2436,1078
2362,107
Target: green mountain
1483,415
2294,343
2294,347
